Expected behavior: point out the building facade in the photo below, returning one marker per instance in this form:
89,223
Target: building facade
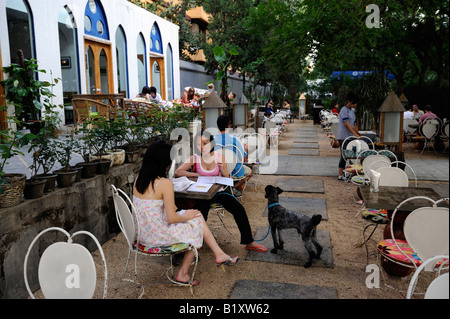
92,46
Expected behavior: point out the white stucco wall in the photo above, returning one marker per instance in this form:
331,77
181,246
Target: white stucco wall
133,20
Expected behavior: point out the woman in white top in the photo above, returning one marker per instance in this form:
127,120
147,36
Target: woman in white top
161,224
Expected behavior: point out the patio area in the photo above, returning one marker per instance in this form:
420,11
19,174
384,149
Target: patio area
341,273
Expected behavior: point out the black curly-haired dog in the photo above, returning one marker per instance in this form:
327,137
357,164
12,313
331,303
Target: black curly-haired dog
281,218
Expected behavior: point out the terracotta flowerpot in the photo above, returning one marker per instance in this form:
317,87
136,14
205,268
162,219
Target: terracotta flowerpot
88,169
65,178
13,191
34,188
50,181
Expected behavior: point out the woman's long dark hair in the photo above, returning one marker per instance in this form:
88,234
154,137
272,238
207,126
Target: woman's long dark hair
155,164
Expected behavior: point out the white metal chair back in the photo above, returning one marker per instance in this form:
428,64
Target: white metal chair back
408,129
171,173
375,162
430,128
445,129
66,269
393,176
426,230
256,147
233,156
125,218
130,226
334,126
439,287
361,144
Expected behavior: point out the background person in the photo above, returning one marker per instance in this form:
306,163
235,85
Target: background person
154,96
210,163
347,127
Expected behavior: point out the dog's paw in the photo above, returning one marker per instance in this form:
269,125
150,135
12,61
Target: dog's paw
274,251
307,264
319,252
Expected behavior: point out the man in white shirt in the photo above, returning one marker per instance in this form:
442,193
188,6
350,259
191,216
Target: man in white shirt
155,97
408,115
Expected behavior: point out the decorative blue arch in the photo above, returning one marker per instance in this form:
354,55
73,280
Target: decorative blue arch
97,18
155,38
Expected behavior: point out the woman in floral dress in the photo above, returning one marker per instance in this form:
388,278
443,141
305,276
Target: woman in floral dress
161,224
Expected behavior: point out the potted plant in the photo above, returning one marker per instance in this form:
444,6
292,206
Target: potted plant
29,95
11,185
117,132
44,157
99,137
85,143
133,128
64,151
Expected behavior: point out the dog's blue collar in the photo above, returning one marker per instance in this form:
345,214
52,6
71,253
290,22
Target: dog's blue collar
272,205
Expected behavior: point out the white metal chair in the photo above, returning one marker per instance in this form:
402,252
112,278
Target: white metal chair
352,146
429,130
445,134
389,176
273,132
130,227
66,269
256,153
426,231
439,287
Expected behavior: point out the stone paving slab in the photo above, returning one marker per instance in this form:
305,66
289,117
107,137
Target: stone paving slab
300,184
307,206
305,152
305,145
252,289
306,140
294,252
300,165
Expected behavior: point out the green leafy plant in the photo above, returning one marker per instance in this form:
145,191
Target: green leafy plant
65,150
224,62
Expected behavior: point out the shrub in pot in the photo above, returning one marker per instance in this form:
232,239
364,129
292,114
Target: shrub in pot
12,185
64,151
97,139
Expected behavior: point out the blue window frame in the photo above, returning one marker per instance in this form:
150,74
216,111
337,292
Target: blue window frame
95,22
156,42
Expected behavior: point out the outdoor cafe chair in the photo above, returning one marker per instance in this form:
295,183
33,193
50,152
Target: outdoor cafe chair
392,176
86,109
130,227
426,233
351,148
273,133
445,134
428,131
66,269
439,287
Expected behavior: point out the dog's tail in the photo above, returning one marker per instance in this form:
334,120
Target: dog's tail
316,219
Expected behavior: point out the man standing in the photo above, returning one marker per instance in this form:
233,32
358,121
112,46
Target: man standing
347,127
